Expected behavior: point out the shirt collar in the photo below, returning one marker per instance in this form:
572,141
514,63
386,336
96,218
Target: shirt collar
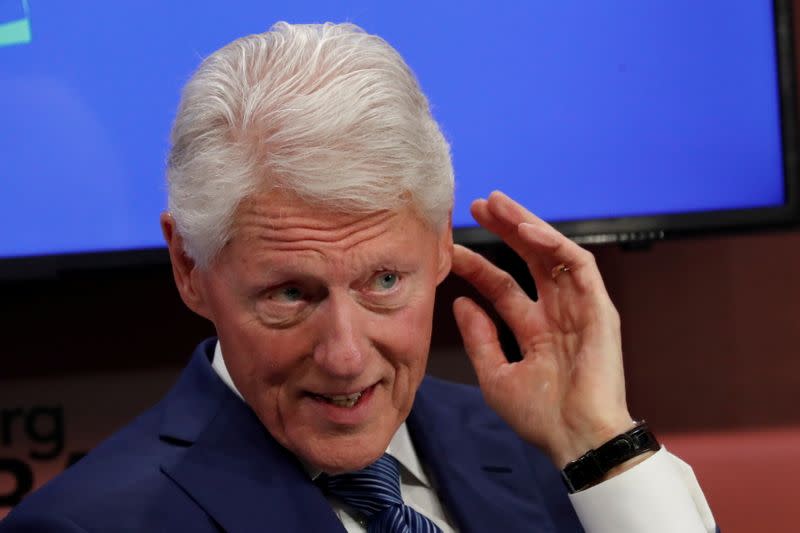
400,447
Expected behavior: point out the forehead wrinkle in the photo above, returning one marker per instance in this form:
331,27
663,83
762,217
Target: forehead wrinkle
323,220
280,233
291,241
323,243
300,230
341,252
335,265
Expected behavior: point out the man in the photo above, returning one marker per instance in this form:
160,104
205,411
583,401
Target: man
310,193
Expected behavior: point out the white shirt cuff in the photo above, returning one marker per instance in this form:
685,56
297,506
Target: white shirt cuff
658,495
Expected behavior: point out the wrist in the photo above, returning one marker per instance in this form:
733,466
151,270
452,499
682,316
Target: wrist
613,457
580,441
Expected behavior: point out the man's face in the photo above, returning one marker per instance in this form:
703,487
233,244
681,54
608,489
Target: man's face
325,322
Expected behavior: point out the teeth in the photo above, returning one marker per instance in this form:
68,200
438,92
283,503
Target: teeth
344,400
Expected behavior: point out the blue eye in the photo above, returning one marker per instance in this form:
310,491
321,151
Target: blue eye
386,280
290,294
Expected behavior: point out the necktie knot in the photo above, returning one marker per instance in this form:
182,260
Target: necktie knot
375,493
370,490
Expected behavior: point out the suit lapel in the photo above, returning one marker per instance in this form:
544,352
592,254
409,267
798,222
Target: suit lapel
480,472
231,467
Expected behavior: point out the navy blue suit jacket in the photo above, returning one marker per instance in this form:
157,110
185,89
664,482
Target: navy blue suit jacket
201,461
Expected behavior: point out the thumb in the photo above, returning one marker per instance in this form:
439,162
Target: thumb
480,338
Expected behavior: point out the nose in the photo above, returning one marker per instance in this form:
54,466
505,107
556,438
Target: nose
342,344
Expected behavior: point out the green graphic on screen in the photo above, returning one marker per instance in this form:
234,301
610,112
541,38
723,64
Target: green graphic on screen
15,22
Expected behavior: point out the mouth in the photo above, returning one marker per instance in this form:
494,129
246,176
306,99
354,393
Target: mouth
344,400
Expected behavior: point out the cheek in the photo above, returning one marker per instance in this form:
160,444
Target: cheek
265,370
408,352
260,361
408,337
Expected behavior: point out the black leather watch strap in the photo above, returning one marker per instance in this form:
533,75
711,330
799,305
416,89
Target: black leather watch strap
592,466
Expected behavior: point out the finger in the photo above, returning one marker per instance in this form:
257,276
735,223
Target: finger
538,243
573,286
564,269
511,214
538,268
494,284
480,338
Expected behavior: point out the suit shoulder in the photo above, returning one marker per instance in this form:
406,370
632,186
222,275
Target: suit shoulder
459,403
22,522
111,476
460,391
451,395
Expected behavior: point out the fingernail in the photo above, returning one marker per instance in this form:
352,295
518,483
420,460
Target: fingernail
541,234
527,227
498,192
458,308
528,231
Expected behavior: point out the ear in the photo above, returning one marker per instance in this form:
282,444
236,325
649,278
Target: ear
188,277
445,249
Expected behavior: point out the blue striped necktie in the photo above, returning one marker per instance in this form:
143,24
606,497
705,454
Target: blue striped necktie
375,493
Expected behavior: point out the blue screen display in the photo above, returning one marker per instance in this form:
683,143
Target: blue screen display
580,110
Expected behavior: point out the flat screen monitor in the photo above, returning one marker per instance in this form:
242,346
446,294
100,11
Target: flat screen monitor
616,121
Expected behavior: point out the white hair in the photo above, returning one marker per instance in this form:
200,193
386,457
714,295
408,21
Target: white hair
328,112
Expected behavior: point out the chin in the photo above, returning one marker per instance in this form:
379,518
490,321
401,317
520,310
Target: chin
344,453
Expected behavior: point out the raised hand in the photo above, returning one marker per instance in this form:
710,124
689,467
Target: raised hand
567,394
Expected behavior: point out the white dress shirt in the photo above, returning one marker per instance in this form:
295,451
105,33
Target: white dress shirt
658,495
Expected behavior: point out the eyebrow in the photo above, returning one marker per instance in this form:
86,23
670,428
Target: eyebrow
298,267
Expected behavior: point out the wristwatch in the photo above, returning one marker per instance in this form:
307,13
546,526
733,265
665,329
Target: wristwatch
592,466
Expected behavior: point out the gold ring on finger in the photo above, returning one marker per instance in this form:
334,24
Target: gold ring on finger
559,269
